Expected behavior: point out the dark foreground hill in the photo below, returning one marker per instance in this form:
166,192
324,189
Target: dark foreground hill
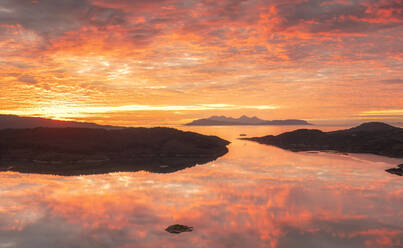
373,137
78,151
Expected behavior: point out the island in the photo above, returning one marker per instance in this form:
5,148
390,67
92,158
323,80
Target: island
372,137
396,171
82,151
244,121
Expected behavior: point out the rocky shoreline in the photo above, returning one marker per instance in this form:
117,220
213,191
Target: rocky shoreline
373,137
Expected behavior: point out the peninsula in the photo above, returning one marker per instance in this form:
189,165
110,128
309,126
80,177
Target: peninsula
243,120
78,151
372,137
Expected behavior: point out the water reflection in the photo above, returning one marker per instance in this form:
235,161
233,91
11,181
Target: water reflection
255,196
154,165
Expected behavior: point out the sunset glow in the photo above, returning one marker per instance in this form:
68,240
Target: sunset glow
167,61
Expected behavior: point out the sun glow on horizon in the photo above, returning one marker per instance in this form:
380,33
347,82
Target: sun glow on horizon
60,112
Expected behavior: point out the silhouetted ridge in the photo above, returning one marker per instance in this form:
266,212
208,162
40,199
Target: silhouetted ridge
372,137
373,126
14,121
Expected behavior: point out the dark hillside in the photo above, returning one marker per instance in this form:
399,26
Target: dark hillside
373,137
99,146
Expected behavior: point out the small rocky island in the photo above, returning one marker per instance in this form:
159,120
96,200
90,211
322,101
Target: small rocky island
177,228
372,137
396,171
79,151
244,121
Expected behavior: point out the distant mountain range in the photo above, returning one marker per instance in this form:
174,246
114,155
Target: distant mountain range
243,120
14,121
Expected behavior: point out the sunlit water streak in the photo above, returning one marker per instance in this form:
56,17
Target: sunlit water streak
255,196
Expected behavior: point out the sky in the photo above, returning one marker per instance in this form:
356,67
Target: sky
132,62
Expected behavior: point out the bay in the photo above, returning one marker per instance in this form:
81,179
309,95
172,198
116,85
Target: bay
254,196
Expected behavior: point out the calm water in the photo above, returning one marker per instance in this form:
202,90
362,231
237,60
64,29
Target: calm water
255,196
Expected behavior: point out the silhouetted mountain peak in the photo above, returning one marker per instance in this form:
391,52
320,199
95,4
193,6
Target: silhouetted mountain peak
373,126
246,118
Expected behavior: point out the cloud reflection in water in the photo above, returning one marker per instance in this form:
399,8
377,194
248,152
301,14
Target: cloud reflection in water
255,197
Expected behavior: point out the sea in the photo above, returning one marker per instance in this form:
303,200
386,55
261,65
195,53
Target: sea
254,196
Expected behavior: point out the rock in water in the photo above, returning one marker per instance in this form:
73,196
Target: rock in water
397,171
176,229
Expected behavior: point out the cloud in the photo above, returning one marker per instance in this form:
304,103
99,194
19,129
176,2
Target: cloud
27,79
393,81
51,19
383,113
321,16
